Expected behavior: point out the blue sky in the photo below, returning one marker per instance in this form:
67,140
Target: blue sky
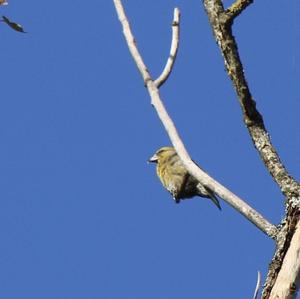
82,215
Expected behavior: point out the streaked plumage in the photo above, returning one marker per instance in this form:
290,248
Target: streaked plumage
176,179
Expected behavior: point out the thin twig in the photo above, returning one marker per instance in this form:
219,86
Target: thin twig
258,284
236,202
173,50
237,8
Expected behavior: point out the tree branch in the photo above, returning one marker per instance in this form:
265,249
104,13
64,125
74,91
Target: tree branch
131,42
221,23
237,8
252,118
173,50
258,285
200,175
284,237
289,272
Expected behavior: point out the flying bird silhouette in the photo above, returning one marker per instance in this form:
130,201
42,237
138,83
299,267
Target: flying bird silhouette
13,25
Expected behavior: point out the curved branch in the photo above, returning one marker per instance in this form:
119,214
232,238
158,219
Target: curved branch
173,50
241,206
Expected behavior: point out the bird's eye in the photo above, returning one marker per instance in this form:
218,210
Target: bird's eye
162,150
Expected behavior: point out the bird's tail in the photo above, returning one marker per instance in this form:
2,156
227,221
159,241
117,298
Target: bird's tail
214,199
206,192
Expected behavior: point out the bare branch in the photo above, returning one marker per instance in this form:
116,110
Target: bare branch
173,51
285,234
252,118
131,42
258,284
237,8
222,29
199,174
289,272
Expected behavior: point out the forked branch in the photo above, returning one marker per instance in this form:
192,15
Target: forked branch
241,206
237,8
221,22
222,31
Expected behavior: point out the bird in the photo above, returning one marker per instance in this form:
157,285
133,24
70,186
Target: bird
13,25
176,179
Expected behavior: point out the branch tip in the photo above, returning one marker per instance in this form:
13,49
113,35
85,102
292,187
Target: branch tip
236,9
173,50
258,285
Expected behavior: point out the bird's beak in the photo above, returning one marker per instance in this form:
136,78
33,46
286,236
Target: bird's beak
153,159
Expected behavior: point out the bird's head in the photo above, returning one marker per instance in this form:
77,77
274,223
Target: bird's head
162,154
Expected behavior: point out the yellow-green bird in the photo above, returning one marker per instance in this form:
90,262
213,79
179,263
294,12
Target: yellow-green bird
176,179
